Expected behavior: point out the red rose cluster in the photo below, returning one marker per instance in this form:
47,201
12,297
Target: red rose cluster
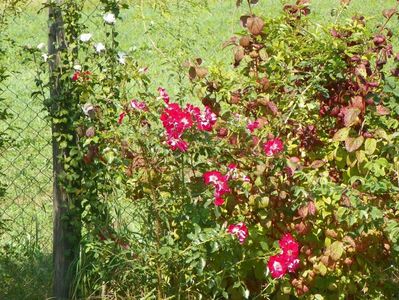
287,260
240,230
177,120
135,104
78,74
219,181
252,125
273,146
164,94
122,115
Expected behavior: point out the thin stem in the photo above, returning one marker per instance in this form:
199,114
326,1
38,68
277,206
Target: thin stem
343,7
38,73
146,30
250,7
390,17
157,219
296,102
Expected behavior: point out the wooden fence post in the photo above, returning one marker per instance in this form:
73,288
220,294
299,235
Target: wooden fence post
64,250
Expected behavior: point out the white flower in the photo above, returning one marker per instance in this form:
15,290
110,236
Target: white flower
87,109
122,57
45,57
109,18
41,46
99,47
85,37
77,67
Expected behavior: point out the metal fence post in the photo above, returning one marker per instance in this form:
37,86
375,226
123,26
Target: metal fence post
63,247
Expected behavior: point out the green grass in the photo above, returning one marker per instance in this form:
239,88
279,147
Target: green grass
161,39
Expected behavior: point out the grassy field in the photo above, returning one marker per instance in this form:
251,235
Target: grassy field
160,35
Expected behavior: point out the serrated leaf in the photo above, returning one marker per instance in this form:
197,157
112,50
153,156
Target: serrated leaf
352,144
341,134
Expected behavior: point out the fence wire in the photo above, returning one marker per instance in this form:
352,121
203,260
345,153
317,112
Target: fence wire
26,163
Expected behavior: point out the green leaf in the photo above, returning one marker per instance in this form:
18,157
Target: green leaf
336,250
370,145
376,213
352,144
381,133
361,156
322,269
341,134
245,293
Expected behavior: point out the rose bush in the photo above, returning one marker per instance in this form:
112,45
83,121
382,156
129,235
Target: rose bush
326,102
283,182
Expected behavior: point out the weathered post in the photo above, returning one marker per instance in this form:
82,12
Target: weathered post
63,249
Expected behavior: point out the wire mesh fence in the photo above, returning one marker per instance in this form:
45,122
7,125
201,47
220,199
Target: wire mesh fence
26,162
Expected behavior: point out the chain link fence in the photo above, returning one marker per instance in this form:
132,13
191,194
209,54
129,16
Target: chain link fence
26,163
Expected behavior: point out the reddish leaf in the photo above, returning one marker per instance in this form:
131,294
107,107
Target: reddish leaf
303,211
244,20
351,116
255,25
272,107
245,41
388,13
357,102
230,41
201,72
198,61
312,208
352,144
192,73
350,241
317,164
239,54
382,110
341,134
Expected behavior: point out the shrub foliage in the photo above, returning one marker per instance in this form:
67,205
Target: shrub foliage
283,182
